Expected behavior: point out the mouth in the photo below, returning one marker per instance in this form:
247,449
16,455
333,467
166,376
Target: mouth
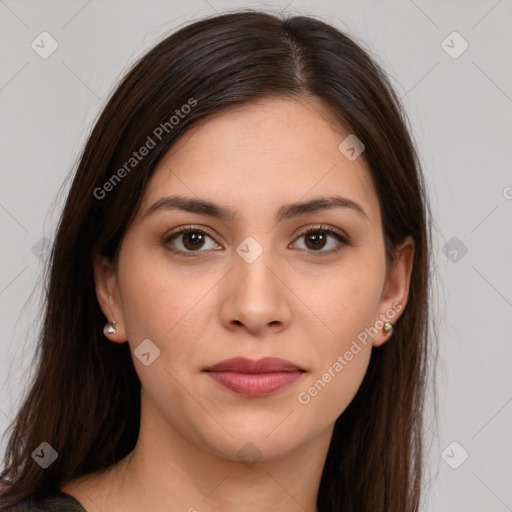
251,378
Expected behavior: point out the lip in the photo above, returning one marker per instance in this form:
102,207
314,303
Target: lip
263,365
251,378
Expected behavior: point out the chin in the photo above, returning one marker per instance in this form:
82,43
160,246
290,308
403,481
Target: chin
254,440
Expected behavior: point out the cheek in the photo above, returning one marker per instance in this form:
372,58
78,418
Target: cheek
347,309
164,306
345,303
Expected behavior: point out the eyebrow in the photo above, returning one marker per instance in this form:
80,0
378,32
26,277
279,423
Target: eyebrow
288,211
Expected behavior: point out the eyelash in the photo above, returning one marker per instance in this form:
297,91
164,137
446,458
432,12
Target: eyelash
344,241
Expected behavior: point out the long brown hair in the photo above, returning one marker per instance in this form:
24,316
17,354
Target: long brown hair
85,397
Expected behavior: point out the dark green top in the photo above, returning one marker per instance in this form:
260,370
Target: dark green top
56,502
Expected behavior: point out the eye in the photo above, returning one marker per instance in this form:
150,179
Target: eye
192,240
316,238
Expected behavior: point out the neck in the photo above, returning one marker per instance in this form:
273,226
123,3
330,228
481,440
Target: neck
167,471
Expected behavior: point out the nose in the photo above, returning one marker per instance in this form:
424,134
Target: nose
256,298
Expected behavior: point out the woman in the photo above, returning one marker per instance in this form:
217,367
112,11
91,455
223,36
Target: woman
237,312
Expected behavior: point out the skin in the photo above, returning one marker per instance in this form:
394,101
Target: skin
215,305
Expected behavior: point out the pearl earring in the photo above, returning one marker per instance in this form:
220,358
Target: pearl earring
110,328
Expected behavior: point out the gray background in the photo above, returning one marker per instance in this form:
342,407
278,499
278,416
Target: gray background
460,113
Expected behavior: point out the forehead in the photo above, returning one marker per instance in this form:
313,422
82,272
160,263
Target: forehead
262,155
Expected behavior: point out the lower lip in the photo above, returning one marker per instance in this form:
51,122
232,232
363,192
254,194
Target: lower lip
255,384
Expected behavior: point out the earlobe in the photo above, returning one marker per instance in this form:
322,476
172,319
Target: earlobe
105,280
396,290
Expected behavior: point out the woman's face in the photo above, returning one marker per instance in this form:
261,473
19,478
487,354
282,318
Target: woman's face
250,284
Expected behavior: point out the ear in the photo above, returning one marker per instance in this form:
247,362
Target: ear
396,289
107,293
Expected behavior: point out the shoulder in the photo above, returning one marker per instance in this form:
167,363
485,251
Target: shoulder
56,502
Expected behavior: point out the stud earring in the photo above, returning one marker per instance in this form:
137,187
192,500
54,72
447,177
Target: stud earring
110,328
388,328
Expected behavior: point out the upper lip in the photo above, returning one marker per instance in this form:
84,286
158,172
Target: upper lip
264,365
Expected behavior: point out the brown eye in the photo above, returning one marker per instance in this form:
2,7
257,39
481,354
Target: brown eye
317,238
192,240
188,239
